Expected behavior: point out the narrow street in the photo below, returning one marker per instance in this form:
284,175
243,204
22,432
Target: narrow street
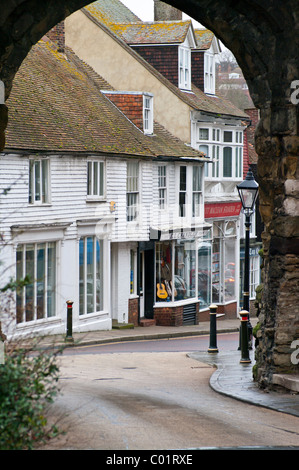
156,400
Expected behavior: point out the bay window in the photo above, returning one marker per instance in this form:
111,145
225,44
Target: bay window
36,299
183,271
225,149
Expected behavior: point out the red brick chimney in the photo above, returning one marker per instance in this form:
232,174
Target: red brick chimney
165,12
57,35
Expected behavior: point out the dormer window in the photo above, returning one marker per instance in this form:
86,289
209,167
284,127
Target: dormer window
184,68
148,115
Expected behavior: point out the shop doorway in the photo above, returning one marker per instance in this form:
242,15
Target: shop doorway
147,293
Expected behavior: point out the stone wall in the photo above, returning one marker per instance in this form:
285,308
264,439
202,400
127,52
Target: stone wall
278,167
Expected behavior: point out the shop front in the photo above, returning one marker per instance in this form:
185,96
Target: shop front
177,276
224,218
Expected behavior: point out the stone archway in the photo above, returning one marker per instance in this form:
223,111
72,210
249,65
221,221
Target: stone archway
264,39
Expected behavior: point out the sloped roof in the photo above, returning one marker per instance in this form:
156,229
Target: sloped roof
204,38
197,100
111,11
157,32
214,104
56,105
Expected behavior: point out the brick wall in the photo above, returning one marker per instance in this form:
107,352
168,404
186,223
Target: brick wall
57,35
133,311
168,316
163,58
197,69
230,310
130,104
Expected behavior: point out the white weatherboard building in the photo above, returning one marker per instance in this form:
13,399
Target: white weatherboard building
84,190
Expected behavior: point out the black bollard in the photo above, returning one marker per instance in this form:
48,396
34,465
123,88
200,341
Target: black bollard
69,322
213,330
245,359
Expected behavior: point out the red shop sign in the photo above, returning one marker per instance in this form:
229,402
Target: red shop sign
225,209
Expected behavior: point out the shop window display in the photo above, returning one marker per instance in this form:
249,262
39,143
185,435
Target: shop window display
177,263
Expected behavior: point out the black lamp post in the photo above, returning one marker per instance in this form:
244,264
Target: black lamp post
248,191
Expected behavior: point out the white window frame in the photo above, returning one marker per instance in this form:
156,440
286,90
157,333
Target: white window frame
214,147
34,282
209,73
184,67
96,182
189,194
148,113
95,278
254,280
39,176
132,182
197,193
162,186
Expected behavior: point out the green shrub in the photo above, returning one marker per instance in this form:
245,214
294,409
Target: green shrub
28,383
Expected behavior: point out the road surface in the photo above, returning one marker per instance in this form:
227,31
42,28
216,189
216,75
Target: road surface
155,401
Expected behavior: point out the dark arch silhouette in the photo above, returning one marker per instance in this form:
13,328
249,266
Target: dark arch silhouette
264,37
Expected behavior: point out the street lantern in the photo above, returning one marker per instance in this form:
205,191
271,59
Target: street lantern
248,191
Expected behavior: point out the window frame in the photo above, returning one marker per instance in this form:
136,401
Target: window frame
215,150
44,181
197,192
188,193
84,277
132,194
184,67
148,113
162,188
23,249
100,180
209,73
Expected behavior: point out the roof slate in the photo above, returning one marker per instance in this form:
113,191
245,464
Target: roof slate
158,32
204,38
56,105
111,11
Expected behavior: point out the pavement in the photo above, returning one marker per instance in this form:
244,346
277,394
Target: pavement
230,378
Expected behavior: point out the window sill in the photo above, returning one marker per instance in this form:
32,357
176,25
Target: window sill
176,303
96,199
41,204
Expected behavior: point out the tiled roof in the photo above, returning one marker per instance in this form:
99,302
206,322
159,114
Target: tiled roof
204,38
197,100
111,11
56,105
162,32
213,104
